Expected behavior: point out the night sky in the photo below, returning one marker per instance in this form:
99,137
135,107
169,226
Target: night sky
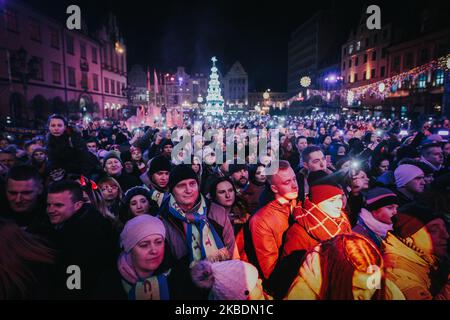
166,34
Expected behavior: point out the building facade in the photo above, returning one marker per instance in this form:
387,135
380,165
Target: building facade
424,93
46,68
235,85
364,56
316,41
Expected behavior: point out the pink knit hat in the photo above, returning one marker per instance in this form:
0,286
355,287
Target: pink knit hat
227,280
138,228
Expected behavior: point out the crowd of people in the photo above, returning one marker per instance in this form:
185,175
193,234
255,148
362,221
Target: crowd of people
358,209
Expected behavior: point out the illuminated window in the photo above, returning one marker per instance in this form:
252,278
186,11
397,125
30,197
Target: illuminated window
350,49
422,80
439,77
358,45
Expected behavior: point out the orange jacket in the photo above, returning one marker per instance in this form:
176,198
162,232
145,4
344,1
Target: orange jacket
267,227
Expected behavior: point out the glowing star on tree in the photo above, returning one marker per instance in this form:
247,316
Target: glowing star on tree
214,99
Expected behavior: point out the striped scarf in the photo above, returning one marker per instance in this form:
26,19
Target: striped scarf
202,239
320,225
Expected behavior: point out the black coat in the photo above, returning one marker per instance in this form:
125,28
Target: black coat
25,220
85,240
127,181
69,152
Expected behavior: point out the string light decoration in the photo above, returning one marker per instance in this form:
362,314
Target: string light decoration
381,89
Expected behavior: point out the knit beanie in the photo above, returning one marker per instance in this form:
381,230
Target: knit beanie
407,224
322,192
317,177
180,173
232,168
134,192
377,198
226,280
407,152
125,156
39,149
110,155
138,228
166,142
405,173
159,163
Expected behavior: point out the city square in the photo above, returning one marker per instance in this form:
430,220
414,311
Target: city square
214,151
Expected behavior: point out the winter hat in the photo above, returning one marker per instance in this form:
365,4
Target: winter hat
232,168
159,163
406,224
102,153
434,139
227,280
109,155
322,192
316,177
421,165
134,192
39,149
180,173
125,156
166,142
377,198
405,173
138,228
407,152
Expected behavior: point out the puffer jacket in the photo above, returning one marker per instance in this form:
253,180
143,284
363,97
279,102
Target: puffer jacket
267,227
307,285
411,270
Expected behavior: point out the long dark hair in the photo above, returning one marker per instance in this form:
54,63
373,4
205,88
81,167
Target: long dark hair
213,192
20,251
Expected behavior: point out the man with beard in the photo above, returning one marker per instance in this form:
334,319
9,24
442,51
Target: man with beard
238,173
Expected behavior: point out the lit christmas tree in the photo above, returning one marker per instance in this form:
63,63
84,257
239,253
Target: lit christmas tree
214,99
